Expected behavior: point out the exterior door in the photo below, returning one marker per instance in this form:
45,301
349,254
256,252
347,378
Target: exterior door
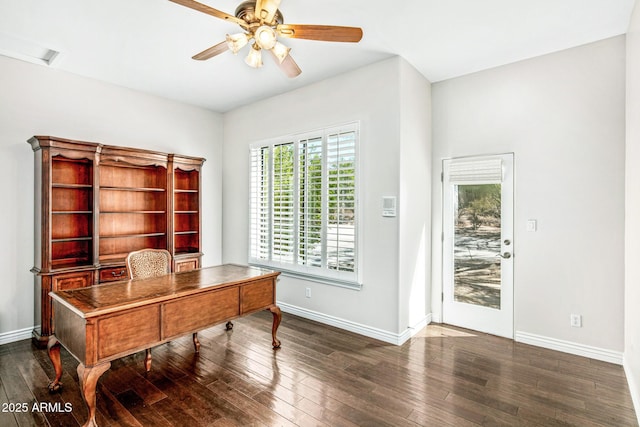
478,243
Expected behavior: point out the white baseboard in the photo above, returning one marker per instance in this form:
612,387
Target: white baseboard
634,387
570,347
412,330
13,336
367,331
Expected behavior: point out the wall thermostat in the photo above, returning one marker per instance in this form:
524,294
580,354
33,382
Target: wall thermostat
389,206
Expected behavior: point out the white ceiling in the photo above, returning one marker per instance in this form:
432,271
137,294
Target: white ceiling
147,44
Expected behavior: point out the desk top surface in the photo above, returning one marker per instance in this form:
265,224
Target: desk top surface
111,297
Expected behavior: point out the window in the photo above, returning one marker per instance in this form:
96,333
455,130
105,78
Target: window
303,209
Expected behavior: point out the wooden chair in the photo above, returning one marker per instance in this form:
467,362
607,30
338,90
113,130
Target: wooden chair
147,263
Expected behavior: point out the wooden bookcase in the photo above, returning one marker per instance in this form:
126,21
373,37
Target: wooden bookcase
95,203
186,239
71,212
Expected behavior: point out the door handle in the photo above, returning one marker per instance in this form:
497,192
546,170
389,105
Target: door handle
505,255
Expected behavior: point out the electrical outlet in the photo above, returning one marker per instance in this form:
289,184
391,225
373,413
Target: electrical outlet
576,321
307,292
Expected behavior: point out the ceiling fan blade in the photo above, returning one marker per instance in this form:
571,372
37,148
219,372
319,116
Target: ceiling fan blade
210,11
266,9
212,51
288,65
330,33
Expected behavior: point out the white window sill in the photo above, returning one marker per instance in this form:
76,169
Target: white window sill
313,278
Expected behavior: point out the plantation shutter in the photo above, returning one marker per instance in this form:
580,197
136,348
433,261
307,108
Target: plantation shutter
341,203
310,202
259,204
486,170
283,222
303,205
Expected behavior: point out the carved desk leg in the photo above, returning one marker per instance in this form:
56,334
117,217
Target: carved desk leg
277,317
196,342
88,381
147,360
53,349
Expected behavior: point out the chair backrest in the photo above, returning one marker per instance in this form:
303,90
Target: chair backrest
148,263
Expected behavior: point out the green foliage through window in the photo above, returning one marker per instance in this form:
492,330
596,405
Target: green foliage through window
480,202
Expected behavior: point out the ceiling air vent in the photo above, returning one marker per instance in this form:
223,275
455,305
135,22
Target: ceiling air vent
26,50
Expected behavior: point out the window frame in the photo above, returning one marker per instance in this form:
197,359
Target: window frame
258,196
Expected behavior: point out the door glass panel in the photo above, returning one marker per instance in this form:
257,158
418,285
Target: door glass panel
477,269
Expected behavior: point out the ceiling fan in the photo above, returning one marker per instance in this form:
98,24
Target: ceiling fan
262,21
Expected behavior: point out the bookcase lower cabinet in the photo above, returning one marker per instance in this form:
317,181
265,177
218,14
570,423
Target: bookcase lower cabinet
46,283
95,203
186,264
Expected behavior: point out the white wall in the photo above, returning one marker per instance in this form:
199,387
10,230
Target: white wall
414,255
563,116
35,100
372,96
632,225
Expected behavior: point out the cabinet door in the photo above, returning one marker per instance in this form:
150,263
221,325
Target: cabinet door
63,282
187,264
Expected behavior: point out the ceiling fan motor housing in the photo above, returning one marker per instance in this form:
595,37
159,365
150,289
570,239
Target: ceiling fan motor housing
247,12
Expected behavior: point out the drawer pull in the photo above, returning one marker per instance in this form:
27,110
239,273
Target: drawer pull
114,274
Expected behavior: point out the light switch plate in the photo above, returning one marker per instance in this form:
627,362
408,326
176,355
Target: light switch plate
532,225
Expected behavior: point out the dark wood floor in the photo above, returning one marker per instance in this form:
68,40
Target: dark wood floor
445,376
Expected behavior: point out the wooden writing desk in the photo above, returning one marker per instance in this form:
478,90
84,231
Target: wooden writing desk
101,323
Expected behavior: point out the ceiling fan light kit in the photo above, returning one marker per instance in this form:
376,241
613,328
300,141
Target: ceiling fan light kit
265,37
254,59
262,21
280,51
236,42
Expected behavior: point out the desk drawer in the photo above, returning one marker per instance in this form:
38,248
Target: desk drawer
113,274
197,312
137,328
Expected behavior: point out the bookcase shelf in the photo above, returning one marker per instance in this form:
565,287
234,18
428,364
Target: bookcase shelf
72,186
95,203
133,189
187,205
